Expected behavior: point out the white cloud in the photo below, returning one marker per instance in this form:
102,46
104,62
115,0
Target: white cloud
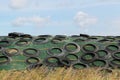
82,19
35,20
18,3
59,4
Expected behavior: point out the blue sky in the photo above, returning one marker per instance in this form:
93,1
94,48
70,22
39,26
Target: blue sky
93,17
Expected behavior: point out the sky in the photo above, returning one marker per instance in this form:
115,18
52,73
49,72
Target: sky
64,17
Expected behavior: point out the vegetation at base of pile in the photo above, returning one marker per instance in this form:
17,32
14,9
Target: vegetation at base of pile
60,74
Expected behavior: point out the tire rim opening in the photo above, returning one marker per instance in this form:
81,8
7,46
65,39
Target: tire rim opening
72,57
117,55
4,43
32,60
11,51
40,40
79,66
88,57
89,48
112,48
4,59
116,62
99,63
30,52
72,48
102,53
65,62
55,51
21,43
52,60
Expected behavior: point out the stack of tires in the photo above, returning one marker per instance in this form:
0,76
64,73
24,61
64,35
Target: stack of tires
21,51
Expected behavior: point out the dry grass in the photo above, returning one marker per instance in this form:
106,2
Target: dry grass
60,74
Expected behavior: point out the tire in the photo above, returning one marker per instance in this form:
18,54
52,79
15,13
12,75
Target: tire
63,37
61,52
106,64
27,54
84,35
45,36
103,54
26,37
113,64
14,34
13,54
40,40
84,59
103,40
74,36
4,43
5,62
57,40
79,40
65,62
116,55
79,65
72,58
85,49
71,51
108,48
55,63
35,58
20,43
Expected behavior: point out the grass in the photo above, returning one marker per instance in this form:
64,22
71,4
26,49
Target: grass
60,74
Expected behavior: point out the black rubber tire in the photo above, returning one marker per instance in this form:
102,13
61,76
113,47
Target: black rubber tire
7,43
115,56
24,36
76,58
84,35
49,51
25,53
114,65
115,46
79,63
43,40
79,40
5,62
92,45
107,54
74,36
63,37
45,36
65,62
52,64
57,40
35,58
103,40
10,55
110,38
14,34
84,60
93,38
104,61
71,51
18,43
